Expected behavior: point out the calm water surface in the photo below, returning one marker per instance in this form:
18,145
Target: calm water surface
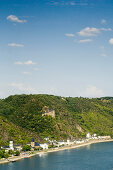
92,157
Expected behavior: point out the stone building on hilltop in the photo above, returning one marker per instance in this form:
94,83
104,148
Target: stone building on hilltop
48,112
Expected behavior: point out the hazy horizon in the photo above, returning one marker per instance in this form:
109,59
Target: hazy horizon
56,96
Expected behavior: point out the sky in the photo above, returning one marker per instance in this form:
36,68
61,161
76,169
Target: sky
59,47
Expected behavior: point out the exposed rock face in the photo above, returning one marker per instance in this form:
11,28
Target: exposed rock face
49,113
79,128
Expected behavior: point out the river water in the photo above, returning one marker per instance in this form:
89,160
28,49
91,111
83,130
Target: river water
97,156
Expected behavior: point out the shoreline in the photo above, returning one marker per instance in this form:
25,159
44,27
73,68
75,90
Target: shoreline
17,158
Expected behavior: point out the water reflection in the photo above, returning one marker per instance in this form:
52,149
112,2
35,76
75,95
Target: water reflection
88,147
43,155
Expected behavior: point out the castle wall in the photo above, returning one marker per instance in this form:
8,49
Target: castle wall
51,113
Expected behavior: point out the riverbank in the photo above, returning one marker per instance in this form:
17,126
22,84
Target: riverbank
16,158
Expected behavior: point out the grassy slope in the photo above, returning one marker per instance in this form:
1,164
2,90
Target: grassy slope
93,115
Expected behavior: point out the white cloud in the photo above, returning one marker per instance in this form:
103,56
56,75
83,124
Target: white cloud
72,3
54,3
15,45
88,32
21,87
85,41
69,35
26,73
14,18
103,21
68,3
111,41
104,55
93,91
29,62
18,63
106,29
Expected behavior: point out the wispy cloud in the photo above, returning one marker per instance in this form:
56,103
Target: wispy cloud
103,52
88,32
29,62
103,21
111,41
21,87
15,45
26,73
105,29
69,35
36,69
85,41
14,18
104,55
19,63
69,3
53,3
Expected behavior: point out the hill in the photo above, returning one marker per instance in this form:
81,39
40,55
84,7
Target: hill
21,116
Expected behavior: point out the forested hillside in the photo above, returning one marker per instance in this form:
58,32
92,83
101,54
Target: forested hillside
21,117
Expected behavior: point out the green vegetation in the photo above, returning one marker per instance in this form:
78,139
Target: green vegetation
21,117
11,152
26,148
39,149
2,154
17,153
6,154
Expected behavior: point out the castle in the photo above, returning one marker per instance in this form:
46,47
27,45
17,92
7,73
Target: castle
48,112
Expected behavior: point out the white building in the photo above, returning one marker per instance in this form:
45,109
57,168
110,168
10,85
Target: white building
11,145
60,143
68,142
94,135
79,141
44,146
88,135
104,137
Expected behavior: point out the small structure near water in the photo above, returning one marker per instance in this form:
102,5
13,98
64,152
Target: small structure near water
44,146
88,135
34,144
10,147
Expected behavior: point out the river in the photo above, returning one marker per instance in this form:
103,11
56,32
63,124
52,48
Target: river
97,156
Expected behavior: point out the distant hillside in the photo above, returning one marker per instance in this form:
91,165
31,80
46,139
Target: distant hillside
21,117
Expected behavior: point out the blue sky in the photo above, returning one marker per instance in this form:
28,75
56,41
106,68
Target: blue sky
56,47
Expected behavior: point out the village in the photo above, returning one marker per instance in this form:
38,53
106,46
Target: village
15,152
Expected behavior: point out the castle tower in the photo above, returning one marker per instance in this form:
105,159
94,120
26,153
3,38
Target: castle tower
32,142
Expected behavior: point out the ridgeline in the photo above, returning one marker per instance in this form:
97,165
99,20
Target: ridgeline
39,116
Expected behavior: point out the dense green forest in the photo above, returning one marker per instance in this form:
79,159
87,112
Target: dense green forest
21,117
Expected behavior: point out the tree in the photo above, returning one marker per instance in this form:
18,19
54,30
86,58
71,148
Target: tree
2,153
11,152
17,153
26,148
6,155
